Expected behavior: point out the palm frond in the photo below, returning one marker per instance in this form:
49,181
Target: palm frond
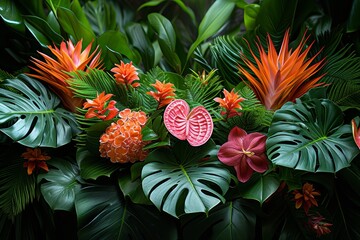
87,85
5,75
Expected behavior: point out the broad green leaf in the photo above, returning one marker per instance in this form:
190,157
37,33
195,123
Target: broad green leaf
167,39
102,213
55,4
32,114
73,26
62,184
213,20
93,166
260,187
42,31
181,181
17,188
101,15
310,136
353,23
11,15
226,221
250,13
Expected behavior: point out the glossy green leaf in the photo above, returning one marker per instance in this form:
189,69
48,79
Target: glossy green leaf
167,39
17,188
179,181
260,187
42,31
353,23
310,136
61,184
73,26
250,13
55,4
102,213
93,166
32,114
214,19
11,15
226,221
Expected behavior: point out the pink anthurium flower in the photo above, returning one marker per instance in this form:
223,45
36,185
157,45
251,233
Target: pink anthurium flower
245,152
356,133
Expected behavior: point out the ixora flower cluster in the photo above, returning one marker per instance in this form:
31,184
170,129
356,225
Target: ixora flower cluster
186,140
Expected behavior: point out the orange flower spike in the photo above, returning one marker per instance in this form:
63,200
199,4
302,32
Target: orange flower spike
98,107
284,76
306,198
35,159
231,103
165,93
126,74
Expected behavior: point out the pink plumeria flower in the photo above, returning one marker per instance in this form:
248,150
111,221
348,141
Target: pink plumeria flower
245,152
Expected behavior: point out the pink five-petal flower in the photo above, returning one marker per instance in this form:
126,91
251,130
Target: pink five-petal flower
245,152
356,132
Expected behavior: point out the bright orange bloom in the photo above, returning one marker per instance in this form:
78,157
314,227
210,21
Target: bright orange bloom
230,103
35,159
165,93
126,74
306,198
319,226
356,132
100,108
122,141
68,58
283,77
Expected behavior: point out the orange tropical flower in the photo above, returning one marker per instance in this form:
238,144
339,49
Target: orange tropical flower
126,74
284,76
165,93
122,141
36,159
306,197
100,108
319,226
68,58
356,132
230,103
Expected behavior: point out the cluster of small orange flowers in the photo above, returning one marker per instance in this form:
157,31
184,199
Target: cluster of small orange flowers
165,93
231,103
99,107
122,141
319,226
126,74
306,197
35,159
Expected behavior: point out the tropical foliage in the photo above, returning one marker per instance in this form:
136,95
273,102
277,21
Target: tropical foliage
184,119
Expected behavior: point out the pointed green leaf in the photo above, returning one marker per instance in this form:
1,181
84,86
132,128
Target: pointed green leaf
11,15
61,186
311,136
33,114
180,181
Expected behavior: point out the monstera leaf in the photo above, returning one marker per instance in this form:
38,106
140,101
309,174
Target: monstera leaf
29,114
103,213
310,136
184,180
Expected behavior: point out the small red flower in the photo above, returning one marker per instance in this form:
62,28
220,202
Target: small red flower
245,152
126,74
36,159
319,226
306,197
230,103
356,132
165,93
100,108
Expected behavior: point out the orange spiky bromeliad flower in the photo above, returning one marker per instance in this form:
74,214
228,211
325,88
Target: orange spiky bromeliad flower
36,159
165,93
122,141
126,74
283,77
231,103
68,58
306,197
100,108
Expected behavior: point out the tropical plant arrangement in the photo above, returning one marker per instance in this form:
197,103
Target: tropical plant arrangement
180,119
